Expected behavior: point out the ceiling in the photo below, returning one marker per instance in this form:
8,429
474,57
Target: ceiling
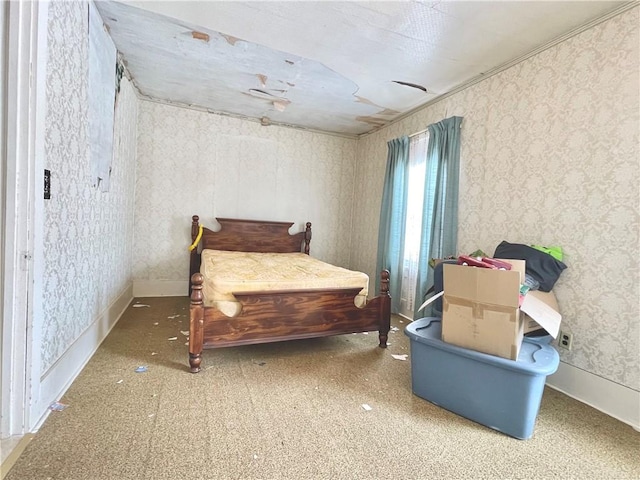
341,67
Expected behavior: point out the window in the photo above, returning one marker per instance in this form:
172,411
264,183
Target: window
415,199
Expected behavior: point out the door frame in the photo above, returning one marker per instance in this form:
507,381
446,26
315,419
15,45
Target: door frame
23,111
5,418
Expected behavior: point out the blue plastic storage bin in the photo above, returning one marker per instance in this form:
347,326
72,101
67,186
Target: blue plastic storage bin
497,392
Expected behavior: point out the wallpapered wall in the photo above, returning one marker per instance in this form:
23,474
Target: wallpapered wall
194,163
88,234
549,155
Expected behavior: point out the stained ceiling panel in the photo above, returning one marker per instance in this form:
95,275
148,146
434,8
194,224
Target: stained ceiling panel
339,67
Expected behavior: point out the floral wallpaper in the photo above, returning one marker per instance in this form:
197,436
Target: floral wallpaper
195,163
88,234
549,156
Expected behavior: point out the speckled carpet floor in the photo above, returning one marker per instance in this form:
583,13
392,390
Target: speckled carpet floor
293,410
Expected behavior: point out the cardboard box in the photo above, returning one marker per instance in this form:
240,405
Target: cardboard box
547,311
481,309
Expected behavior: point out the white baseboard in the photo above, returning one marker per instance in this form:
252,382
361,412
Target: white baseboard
160,288
617,401
55,381
11,449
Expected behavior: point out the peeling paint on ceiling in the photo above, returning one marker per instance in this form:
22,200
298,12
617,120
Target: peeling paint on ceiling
200,36
339,67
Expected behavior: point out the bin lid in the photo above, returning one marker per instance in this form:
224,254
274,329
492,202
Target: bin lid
534,358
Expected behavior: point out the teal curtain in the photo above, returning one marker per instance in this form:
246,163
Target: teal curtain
439,237
392,217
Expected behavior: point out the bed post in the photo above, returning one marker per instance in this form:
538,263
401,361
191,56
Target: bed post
307,238
196,323
385,309
194,257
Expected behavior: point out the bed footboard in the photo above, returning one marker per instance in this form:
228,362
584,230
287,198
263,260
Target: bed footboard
285,315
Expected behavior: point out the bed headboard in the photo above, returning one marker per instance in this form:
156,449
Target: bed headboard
252,236
248,236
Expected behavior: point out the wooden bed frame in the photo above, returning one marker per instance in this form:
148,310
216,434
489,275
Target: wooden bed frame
272,316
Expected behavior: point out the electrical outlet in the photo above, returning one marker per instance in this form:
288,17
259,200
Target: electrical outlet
565,340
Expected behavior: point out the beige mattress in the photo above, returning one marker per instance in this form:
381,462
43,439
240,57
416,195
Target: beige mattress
227,272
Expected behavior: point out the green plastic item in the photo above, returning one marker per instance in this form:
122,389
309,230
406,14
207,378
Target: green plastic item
432,262
555,252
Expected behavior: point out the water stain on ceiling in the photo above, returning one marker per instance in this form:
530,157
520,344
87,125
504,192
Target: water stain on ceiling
339,67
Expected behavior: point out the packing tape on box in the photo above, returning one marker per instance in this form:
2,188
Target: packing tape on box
478,308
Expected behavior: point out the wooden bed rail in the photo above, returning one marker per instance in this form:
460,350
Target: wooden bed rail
272,316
